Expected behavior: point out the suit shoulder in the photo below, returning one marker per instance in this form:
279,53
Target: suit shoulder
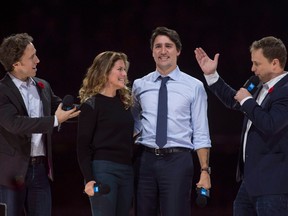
4,88
40,80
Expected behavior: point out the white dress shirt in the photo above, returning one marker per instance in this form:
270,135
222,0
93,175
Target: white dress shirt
34,108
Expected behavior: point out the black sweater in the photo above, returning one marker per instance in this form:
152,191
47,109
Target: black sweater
105,132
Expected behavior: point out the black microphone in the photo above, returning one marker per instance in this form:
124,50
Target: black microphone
251,85
202,196
100,189
68,101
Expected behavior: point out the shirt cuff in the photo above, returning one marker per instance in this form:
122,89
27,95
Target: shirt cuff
211,78
55,121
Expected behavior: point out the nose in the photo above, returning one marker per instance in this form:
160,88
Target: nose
163,49
124,73
37,60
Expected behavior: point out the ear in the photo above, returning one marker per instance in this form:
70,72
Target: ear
275,62
275,65
16,64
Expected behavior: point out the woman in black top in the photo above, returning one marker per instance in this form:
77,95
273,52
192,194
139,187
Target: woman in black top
105,135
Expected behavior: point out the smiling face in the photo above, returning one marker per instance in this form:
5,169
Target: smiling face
27,65
117,76
165,54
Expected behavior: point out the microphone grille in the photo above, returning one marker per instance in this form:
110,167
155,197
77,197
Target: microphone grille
68,100
255,80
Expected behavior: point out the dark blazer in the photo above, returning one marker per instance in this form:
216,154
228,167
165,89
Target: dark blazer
16,129
265,170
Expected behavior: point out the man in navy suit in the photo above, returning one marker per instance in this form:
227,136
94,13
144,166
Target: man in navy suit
29,111
263,161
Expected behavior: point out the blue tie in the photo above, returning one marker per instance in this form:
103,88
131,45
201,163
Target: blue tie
161,128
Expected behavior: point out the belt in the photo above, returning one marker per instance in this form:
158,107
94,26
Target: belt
164,151
37,160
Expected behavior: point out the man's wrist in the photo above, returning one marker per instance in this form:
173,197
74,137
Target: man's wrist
206,169
211,78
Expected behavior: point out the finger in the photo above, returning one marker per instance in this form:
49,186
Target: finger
216,57
202,52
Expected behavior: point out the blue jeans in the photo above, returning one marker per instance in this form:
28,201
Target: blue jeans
164,184
266,205
120,178
34,198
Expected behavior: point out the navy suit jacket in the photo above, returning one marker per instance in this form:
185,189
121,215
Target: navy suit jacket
16,129
265,170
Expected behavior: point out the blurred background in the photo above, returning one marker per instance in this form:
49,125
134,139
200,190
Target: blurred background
69,34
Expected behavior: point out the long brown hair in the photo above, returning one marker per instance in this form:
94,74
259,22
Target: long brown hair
97,76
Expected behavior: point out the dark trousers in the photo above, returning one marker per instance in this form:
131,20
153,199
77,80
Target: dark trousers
120,179
163,184
266,205
34,198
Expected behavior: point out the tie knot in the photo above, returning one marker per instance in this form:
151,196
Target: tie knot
164,80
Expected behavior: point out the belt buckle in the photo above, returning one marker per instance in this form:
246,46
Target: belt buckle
33,160
157,152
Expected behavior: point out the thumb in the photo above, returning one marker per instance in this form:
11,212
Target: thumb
216,57
60,106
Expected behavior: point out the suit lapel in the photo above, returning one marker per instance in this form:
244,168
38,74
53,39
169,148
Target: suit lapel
265,100
255,95
41,91
279,84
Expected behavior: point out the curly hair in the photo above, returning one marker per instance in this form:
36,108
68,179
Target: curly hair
97,76
12,49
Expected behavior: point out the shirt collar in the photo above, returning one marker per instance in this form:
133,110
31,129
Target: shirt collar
273,81
174,75
19,82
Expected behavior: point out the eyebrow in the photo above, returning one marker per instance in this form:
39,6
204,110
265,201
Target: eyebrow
171,44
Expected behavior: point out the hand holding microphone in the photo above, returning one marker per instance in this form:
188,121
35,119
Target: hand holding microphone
68,102
96,189
251,85
66,110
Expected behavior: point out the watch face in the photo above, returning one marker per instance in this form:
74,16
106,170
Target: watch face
209,170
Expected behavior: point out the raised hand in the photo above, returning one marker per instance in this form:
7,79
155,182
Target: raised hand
207,65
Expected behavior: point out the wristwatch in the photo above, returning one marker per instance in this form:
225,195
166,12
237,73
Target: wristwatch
207,169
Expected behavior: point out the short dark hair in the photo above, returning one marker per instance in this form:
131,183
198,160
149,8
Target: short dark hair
273,48
172,34
12,49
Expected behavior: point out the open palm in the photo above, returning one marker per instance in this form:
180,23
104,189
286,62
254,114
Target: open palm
207,65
